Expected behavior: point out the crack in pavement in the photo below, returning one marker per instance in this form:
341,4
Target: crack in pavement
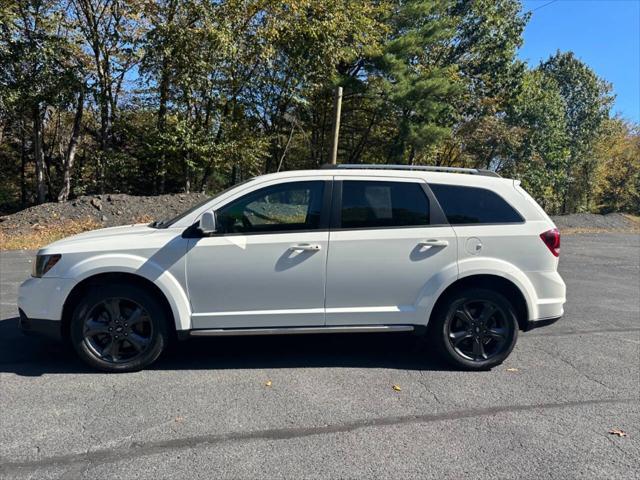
558,356
136,450
581,332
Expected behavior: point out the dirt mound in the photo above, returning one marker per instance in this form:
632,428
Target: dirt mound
594,223
89,212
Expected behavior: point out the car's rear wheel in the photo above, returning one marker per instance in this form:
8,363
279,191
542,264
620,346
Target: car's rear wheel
474,329
119,328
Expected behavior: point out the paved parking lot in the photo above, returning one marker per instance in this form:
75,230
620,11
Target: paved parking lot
204,411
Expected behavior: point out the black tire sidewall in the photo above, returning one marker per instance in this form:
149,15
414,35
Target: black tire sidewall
443,317
146,299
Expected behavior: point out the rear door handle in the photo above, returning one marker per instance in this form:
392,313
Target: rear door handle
305,247
433,243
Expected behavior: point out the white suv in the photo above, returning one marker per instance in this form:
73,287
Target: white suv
461,255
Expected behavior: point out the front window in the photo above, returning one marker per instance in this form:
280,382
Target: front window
277,208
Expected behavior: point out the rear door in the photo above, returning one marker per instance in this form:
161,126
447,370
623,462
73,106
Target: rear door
390,249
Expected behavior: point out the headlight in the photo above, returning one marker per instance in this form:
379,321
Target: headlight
43,264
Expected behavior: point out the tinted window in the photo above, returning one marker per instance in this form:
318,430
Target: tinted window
473,205
288,206
383,204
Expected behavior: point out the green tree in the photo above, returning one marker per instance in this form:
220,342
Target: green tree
36,72
542,156
617,176
587,101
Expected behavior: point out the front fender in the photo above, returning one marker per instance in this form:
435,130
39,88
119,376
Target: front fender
142,267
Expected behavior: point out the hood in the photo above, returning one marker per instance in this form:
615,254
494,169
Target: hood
93,237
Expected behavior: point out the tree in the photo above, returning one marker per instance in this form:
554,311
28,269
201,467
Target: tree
483,49
36,73
587,100
111,30
540,160
617,176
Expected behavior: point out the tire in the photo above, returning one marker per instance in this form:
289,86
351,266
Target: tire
119,328
474,329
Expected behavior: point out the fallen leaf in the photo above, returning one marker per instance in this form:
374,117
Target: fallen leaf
397,388
512,369
267,383
618,432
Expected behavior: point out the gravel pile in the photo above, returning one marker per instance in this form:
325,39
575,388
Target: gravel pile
592,222
106,210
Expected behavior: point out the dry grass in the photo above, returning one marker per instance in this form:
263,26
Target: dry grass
633,228
635,219
40,236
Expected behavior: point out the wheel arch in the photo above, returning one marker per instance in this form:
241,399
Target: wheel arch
505,286
102,278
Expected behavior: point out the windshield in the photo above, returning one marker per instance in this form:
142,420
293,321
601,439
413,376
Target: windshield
166,223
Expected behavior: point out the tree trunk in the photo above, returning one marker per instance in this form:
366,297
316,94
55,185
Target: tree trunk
23,163
187,175
71,149
162,121
37,154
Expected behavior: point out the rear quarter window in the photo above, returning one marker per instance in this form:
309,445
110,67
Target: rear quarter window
472,205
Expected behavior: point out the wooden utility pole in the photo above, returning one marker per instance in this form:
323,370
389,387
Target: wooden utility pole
337,108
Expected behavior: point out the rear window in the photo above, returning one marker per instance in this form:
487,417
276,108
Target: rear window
372,204
470,205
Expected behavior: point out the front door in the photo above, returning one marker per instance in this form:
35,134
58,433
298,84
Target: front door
265,265
390,249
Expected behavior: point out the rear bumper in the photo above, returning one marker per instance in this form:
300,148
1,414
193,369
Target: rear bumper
40,327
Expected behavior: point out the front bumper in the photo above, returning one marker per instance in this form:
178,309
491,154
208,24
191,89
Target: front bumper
543,322
44,297
40,327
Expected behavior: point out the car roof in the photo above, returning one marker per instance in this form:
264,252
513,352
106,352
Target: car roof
461,178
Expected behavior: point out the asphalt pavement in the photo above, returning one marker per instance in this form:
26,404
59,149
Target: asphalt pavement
204,409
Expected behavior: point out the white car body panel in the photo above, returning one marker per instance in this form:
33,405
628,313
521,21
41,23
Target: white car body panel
357,277
257,280
385,275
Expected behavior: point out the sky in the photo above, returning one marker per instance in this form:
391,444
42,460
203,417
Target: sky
605,34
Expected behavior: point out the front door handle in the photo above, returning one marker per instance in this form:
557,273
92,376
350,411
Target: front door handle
433,243
305,247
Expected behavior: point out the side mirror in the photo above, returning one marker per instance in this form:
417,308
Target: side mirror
207,223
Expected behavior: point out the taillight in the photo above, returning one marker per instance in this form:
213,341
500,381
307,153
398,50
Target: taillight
551,239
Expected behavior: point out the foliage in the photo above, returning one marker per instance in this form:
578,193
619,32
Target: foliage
154,96
617,174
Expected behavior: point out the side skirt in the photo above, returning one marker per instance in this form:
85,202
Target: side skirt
221,332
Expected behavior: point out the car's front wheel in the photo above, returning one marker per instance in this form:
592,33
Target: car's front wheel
475,329
118,328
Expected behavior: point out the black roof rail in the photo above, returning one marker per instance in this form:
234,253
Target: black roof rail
426,168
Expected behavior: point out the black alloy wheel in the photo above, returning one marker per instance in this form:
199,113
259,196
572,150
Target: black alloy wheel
478,330
119,327
475,329
118,330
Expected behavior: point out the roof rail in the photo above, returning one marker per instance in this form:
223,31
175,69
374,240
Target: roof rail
426,168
